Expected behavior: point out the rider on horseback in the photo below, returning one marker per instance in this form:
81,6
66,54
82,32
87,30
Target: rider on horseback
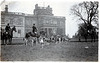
7,28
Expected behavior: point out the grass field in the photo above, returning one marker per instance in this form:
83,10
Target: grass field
65,51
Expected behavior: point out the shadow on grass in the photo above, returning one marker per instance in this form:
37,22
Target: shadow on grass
14,44
83,40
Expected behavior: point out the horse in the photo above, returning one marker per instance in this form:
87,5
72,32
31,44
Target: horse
4,37
26,38
8,35
31,37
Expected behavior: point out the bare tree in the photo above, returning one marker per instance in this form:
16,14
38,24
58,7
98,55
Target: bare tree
86,12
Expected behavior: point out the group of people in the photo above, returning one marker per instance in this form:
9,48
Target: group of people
57,39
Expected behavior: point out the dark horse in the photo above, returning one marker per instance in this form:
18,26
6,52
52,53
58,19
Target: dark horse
7,36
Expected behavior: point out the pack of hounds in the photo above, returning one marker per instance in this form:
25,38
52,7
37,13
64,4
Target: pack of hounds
34,38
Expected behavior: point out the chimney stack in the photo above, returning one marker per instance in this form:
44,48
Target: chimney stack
6,8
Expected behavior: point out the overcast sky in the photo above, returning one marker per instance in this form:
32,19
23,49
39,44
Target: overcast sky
60,8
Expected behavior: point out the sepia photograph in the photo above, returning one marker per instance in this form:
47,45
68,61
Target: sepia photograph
49,30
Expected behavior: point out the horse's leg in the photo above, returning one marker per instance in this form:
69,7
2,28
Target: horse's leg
5,41
32,42
11,40
8,39
2,41
26,41
42,45
85,38
94,37
35,40
79,38
91,38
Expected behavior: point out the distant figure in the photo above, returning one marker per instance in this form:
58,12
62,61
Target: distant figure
7,28
41,38
79,38
34,28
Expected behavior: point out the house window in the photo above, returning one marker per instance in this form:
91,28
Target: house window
19,31
2,20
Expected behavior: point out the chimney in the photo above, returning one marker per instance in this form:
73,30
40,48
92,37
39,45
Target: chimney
6,8
36,6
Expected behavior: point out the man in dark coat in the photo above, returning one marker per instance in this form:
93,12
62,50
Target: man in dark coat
34,28
7,28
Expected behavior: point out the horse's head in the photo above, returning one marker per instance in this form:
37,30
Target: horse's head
14,29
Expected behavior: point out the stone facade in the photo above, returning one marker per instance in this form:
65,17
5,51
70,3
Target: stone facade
42,10
14,19
43,18
52,25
